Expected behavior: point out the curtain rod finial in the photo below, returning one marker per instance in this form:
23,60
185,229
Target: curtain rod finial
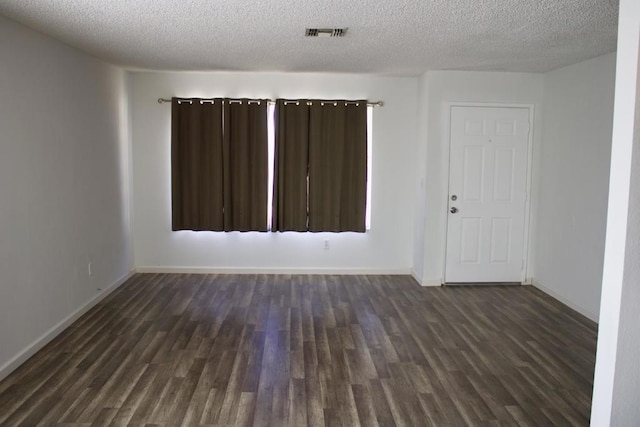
160,100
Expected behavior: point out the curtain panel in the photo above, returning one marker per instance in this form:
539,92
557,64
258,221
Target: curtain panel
196,165
290,204
219,164
321,170
245,165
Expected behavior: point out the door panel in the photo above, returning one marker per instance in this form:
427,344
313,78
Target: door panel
470,238
503,174
488,178
500,240
473,173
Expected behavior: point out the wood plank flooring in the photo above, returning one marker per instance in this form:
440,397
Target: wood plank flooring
226,350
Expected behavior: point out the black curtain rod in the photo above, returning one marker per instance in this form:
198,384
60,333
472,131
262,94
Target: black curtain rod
270,101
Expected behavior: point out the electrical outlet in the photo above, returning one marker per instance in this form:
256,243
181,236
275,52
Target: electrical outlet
326,244
90,268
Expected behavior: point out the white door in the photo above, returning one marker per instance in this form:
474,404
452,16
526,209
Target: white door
489,149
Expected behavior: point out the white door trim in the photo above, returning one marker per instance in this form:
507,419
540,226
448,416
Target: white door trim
446,134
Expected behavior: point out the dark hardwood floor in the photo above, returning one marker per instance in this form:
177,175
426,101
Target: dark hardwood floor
191,350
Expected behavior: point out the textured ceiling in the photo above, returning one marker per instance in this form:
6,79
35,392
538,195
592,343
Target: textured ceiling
385,37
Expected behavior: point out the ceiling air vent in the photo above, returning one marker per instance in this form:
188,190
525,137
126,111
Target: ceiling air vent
325,32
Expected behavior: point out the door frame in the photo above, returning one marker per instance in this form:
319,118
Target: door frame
446,134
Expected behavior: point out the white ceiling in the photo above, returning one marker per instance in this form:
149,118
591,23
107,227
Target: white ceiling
385,37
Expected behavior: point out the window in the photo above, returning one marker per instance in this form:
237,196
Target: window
320,172
219,165
245,165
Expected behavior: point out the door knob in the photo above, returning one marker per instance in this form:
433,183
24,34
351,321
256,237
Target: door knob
453,210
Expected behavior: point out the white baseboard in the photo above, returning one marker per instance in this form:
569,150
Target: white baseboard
272,270
580,309
44,339
431,283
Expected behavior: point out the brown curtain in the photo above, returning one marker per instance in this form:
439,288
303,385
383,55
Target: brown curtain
245,165
320,181
337,165
291,166
196,165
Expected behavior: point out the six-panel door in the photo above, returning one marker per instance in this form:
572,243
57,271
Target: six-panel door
488,179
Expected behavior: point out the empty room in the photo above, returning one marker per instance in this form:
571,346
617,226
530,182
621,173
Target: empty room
403,213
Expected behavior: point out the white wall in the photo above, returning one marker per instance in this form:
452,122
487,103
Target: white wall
573,182
460,86
387,247
616,391
64,159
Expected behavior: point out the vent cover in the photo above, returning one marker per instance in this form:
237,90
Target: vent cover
326,32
